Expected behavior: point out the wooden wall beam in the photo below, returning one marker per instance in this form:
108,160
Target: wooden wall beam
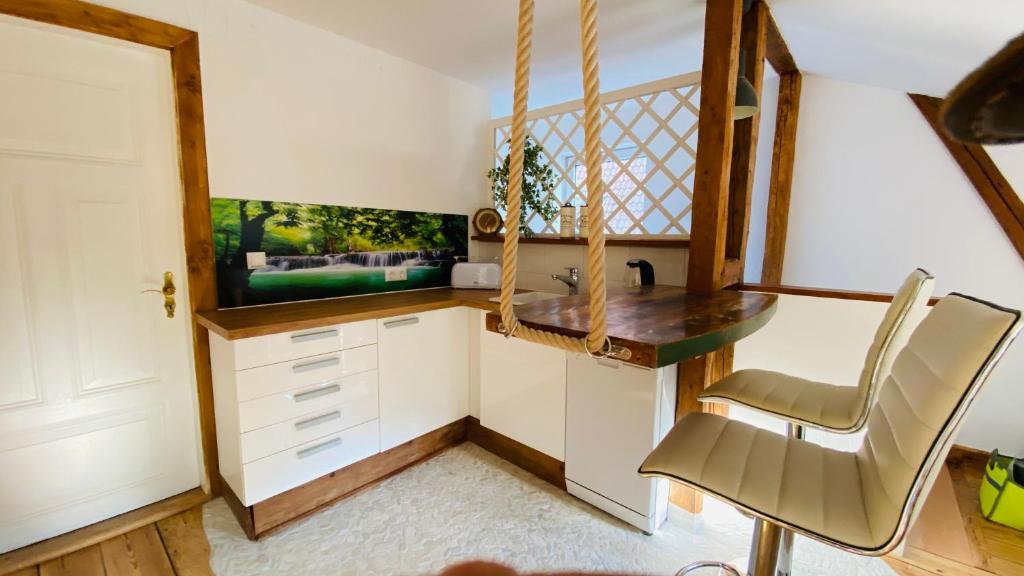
997,193
744,143
780,189
714,147
778,53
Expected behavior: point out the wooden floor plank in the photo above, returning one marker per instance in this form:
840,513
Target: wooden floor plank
30,571
94,534
85,562
137,553
186,543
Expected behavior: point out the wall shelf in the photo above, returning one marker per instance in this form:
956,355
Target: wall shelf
640,242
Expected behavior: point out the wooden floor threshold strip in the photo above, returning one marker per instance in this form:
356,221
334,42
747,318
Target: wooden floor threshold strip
83,538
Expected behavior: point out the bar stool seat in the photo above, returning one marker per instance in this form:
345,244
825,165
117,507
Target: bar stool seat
794,483
796,400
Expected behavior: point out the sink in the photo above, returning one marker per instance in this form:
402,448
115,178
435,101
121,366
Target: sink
529,297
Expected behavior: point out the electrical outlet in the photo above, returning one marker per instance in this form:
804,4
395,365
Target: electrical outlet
395,274
255,260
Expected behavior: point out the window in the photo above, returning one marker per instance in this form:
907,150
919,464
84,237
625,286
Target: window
649,138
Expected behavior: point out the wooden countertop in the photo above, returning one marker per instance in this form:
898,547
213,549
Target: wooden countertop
661,325
235,323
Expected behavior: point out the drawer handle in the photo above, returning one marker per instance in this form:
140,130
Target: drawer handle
309,336
306,452
333,361
402,322
311,394
317,420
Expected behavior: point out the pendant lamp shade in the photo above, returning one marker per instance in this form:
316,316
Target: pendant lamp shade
746,96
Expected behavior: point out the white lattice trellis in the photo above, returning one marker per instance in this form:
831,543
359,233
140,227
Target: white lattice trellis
649,137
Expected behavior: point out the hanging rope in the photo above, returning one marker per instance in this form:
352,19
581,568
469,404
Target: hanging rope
596,342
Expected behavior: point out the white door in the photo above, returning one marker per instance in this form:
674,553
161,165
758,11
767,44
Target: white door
97,396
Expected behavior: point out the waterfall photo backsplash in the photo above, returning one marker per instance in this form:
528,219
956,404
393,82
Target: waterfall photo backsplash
269,252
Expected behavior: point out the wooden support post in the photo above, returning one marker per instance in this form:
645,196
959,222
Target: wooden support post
997,193
744,145
780,189
706,268
714,146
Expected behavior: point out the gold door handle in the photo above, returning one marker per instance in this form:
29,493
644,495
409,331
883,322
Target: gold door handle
168,291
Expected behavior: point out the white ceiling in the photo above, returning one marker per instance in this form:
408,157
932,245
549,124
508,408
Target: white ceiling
909,45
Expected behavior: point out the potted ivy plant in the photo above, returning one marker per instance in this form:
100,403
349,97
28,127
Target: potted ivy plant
538,181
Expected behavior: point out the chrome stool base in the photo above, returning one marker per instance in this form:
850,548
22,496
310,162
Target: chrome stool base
722,566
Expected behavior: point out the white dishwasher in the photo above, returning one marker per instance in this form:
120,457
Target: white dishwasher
616,414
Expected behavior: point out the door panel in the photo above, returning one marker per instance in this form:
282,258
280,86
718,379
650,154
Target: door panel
98,409
115,335
19,385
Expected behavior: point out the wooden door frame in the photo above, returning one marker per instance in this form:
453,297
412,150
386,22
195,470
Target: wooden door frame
183,46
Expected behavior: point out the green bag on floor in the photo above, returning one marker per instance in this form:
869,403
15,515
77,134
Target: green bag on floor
1002,491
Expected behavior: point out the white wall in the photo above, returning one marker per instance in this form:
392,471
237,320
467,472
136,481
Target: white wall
537,262
876,194
295,113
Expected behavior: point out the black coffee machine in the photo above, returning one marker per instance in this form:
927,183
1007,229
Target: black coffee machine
639,273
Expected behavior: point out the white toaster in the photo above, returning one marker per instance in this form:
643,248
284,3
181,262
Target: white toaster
476,275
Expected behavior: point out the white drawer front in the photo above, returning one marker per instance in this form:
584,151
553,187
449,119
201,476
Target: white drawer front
305,372
285,470
273,348
284,435
297,402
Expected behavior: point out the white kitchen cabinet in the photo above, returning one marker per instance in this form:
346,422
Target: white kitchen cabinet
616,414
424,373
522,391
294,406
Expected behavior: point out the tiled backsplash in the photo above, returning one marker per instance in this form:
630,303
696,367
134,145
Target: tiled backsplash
537,262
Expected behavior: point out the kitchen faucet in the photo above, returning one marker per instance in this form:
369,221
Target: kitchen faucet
572,280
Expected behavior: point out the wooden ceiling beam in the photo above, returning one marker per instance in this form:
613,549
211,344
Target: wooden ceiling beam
778,53
995,190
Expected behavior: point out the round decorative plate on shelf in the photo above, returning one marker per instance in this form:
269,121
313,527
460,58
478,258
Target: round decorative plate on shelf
487,221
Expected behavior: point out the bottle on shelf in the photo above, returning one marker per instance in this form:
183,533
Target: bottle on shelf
567,228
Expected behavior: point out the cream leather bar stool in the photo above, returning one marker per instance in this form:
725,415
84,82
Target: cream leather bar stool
839,409
863,501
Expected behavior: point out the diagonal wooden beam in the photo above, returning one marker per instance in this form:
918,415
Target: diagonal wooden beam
777,51
781,186
744,144
997,193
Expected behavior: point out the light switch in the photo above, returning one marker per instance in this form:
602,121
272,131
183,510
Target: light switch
255,260
395,274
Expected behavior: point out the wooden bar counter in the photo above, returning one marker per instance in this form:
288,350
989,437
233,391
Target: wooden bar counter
660,325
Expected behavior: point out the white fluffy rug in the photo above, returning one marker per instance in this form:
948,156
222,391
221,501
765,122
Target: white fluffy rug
468,504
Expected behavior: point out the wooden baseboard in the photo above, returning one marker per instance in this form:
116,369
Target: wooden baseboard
95,533
242,512
964,456
304,500
533,461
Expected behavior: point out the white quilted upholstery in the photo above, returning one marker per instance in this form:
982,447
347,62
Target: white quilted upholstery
825,406
860,501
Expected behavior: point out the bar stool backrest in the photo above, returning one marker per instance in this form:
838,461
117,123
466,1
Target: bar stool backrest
933,381
909,305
